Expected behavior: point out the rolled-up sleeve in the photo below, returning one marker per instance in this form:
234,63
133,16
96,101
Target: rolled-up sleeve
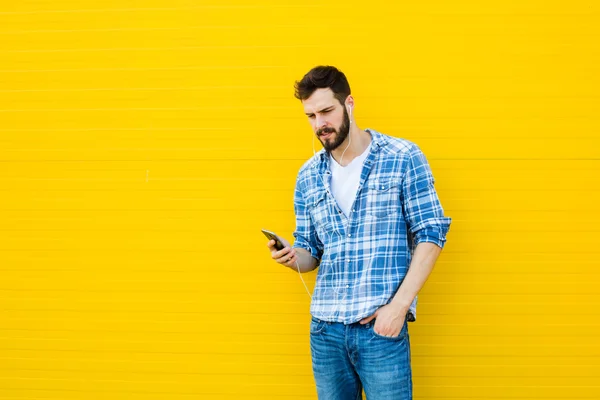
421,205
305,234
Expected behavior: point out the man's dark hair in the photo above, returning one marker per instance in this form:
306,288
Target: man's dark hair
323,76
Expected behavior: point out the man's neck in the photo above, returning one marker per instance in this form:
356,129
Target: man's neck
359,141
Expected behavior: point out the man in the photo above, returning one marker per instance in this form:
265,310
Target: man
368,216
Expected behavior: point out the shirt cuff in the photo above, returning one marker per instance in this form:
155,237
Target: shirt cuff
432,231
307,247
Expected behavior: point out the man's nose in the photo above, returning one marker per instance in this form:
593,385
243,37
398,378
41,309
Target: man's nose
321,122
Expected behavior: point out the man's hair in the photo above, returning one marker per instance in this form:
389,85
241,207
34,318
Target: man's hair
323,76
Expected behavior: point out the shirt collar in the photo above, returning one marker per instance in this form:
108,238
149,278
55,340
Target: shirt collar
377,141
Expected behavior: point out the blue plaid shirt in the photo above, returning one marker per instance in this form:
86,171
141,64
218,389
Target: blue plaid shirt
363,258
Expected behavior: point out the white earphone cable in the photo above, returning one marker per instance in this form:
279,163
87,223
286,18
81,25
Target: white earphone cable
306,287
336,231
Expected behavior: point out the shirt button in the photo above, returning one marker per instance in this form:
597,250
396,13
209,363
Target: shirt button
347,286
349,235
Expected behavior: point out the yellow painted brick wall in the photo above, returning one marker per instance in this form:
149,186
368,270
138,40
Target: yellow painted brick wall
143,144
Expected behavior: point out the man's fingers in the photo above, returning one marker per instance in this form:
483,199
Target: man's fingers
284,255
291,258
391,334
368,319
290,262
280,253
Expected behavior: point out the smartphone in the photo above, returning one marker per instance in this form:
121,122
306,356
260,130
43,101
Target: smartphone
278,244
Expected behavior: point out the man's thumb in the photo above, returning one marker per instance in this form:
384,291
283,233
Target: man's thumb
368,319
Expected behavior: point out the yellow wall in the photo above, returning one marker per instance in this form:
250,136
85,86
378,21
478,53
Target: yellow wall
145,143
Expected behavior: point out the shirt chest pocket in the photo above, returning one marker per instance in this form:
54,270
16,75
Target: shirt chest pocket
319,208
382,197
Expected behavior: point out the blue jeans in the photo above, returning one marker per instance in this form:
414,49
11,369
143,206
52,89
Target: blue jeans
349,358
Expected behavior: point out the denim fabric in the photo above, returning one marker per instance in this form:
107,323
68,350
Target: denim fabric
349,358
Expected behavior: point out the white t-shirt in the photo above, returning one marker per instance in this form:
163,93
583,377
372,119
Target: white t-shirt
345,180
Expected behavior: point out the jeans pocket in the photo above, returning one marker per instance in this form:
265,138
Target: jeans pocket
317,326
401,335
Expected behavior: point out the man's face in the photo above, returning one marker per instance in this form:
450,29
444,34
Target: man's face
328,118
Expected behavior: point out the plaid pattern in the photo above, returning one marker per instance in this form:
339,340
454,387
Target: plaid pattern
364,258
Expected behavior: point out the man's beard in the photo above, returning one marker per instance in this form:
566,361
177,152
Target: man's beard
338,136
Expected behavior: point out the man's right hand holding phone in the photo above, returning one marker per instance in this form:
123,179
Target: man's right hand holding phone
288,256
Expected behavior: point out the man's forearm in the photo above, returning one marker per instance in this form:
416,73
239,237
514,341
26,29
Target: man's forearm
423,261
306,261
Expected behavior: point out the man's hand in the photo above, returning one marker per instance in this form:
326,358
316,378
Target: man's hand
286,256
389,320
